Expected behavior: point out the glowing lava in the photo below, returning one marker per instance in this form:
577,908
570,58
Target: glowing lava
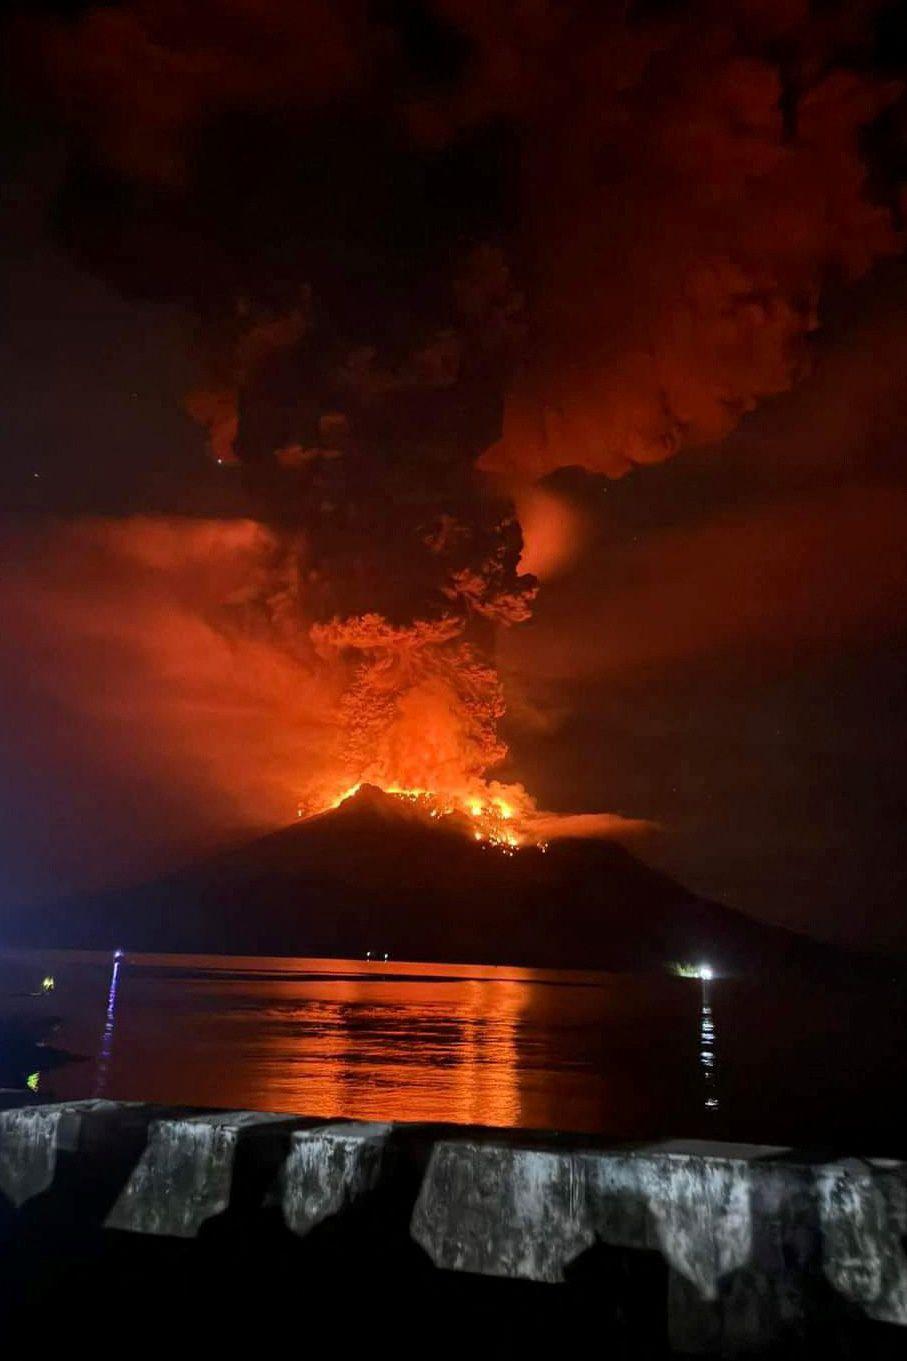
417,718
499,816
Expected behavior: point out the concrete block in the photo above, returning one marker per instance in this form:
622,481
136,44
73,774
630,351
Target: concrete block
186,1174
328,1169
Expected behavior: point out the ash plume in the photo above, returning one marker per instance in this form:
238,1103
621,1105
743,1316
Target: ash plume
435,252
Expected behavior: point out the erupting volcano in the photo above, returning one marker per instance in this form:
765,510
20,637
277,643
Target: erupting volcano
442,273
419,720
494,821
399,874
419,715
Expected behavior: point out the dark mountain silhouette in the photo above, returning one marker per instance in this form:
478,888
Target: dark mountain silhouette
377,873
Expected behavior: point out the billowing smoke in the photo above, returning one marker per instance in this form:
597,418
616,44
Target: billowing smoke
695,187
436,252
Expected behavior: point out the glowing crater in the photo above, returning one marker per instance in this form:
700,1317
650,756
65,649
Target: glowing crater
495,819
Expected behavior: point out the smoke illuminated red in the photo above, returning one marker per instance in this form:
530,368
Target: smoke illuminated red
419,290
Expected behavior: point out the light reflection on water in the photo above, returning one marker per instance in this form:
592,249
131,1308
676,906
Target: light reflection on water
470,1045
362,1048
708,1057
106,1047
631,1056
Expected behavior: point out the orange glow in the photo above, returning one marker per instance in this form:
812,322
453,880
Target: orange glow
494,821
482,1085
554,532
155,655
418,719
488,815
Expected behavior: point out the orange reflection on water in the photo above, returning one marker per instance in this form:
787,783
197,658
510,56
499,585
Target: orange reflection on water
378,1049
379,1040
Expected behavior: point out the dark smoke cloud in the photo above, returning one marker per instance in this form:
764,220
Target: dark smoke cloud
669,187
418,238
144,79
693,183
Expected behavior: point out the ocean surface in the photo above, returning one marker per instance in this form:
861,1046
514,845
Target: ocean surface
627,1056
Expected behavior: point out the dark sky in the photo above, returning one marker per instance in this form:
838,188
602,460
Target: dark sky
724,655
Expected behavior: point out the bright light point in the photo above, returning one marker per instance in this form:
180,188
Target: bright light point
705,972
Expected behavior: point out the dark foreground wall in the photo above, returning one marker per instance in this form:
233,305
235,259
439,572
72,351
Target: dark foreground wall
127,1211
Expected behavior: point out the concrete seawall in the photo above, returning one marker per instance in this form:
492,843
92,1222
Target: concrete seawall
735,1248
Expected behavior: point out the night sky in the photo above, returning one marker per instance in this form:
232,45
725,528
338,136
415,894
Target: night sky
393,242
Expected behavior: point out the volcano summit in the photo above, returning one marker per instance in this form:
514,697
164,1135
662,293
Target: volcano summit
383,873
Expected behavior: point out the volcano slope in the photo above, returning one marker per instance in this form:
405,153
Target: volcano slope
378,873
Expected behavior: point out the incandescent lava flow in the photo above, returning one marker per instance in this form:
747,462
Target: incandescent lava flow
493,821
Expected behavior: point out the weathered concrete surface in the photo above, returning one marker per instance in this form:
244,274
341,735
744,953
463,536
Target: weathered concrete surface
863,1213
328,1169
530,1212
186,1174
744,1231
33,1137
753,1247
